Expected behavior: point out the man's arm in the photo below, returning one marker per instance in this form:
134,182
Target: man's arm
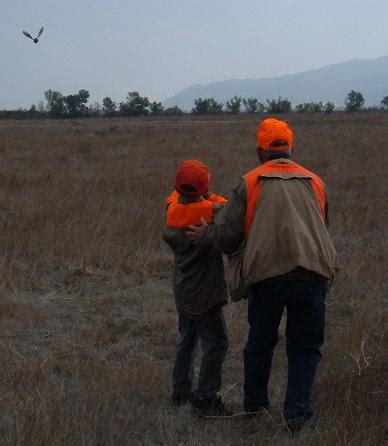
227,231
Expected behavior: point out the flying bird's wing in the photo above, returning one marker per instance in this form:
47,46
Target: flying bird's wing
28,35
40,32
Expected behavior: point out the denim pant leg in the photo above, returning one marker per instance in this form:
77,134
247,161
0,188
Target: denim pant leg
212,332
265,309
305,336
182,376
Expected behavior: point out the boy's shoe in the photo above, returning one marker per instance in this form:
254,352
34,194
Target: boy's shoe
296,425
178,399
256,413
212,407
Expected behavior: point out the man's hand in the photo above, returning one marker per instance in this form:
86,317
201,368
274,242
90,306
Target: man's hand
195,232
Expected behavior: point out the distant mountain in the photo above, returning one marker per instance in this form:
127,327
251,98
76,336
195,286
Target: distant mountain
330,83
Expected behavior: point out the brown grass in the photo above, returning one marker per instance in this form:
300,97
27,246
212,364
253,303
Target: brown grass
88,325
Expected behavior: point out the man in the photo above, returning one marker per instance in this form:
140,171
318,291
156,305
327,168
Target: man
279,211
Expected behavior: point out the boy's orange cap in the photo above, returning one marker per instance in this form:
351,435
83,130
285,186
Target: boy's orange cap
192,178
274,135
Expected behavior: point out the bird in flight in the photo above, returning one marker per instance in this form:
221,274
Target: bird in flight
35,39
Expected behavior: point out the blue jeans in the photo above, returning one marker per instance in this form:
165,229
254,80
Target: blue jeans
305,304
211,332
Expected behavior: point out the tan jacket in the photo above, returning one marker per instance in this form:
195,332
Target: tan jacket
287,233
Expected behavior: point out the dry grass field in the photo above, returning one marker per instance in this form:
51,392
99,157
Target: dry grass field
87,318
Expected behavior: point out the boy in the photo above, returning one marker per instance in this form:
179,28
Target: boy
200,292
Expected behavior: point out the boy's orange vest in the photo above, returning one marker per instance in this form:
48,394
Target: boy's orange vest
274,168
210,197
182,215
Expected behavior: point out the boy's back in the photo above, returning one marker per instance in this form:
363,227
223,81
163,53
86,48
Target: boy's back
199,282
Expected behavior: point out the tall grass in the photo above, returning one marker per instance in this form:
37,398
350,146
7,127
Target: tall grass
88,324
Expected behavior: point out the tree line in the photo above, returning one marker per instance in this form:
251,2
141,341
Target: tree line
76,105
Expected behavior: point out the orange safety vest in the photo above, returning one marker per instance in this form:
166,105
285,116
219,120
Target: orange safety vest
211,197
272,168
216,198
172,198
182,215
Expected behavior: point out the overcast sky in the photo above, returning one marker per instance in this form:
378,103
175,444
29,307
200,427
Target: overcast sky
159,47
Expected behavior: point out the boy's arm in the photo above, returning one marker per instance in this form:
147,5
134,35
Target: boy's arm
173,237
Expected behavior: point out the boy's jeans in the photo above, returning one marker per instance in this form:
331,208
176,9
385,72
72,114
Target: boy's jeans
212,333
305,304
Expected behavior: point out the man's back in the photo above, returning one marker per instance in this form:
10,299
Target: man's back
287,230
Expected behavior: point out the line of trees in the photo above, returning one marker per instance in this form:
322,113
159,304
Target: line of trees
204,106
71,106
76,105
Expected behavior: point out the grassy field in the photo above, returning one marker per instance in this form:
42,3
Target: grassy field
87,318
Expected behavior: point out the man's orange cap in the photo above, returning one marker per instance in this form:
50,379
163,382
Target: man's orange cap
274,135
192,178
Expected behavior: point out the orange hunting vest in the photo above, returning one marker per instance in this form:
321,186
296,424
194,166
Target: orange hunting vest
210,197
275,169
172,198
182,215
216,199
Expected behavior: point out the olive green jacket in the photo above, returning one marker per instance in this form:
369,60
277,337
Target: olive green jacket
199,280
